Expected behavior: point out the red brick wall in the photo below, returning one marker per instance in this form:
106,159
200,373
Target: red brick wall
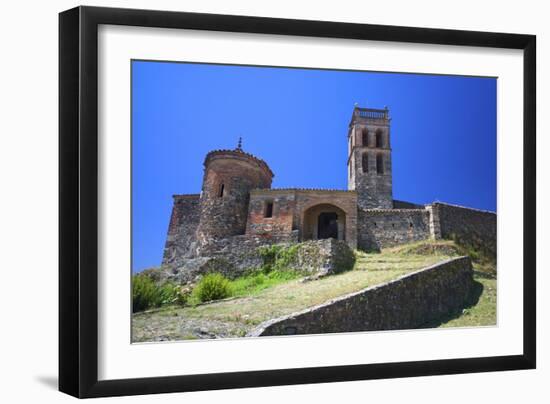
282,219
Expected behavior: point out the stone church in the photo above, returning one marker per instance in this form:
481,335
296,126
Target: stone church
238,209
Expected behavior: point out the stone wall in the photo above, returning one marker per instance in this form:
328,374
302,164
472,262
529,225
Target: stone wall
235,256
379,228
237,245
322,257
405,303
374,190
229,177
231,256
181,230
477,228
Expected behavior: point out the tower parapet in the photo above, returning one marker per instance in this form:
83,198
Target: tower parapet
369,158
229,176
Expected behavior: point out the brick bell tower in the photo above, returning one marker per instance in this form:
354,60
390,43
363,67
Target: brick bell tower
369,158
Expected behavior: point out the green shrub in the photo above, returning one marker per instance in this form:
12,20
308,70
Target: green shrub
153,273
269,255
473,253
213,286
286,256
277,257
145,293
170,293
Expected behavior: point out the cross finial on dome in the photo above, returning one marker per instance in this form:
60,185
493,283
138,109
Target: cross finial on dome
240,144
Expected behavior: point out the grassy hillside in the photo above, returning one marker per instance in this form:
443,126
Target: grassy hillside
234,317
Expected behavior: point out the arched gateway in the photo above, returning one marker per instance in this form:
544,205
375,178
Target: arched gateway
324,221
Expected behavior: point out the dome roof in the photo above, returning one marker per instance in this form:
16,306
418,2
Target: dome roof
238,154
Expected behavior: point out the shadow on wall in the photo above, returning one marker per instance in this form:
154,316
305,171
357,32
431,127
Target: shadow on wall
472,300
470,228
367,239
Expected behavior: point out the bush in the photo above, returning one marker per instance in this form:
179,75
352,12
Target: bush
145,293
153,273
171,293
277,257
212,286
269,255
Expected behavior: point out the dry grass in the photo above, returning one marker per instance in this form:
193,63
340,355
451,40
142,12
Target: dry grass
482,312
235,317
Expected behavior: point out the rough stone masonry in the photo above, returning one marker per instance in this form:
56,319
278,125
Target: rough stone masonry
238,209
405,303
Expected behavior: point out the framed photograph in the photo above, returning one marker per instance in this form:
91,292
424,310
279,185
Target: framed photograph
251,201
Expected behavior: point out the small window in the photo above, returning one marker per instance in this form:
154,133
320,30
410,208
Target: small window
221,191
380,164
268,209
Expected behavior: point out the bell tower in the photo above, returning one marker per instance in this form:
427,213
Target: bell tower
369,158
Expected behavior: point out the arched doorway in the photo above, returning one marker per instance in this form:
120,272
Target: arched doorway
327,225
324,221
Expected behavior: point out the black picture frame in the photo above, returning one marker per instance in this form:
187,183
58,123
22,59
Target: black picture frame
78,201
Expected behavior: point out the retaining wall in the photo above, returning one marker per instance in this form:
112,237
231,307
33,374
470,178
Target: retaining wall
404,303
322,257
235,256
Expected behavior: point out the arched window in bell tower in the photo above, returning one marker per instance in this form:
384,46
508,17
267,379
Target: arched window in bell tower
379,138
379,164
365,137
365,162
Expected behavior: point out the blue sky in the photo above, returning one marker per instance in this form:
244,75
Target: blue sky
443,133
